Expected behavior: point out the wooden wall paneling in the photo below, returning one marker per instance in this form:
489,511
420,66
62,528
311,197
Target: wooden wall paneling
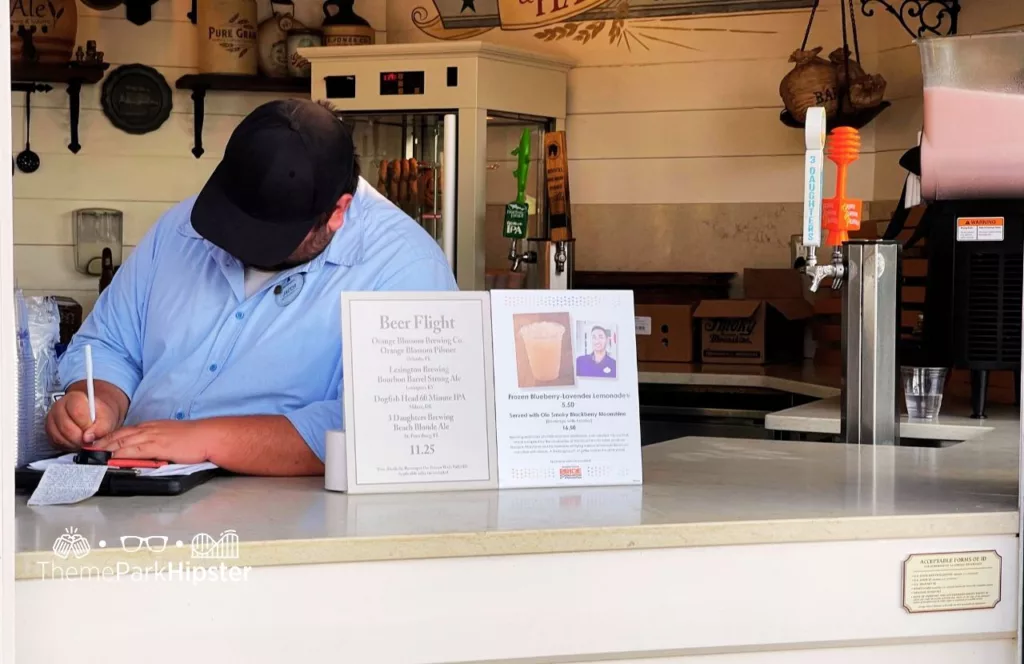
740,132
48,221
51,267
117,178
754,179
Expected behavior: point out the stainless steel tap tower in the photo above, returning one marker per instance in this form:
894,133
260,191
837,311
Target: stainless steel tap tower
870,413
870,271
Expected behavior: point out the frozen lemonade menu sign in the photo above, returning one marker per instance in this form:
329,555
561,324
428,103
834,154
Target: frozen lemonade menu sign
567,402
418,397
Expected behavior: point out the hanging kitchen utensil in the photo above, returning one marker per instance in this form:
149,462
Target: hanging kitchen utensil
28,161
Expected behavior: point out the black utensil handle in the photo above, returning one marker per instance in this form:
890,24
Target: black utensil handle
75,94
28,119
198,113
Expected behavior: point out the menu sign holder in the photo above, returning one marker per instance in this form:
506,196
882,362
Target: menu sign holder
418,393
567,408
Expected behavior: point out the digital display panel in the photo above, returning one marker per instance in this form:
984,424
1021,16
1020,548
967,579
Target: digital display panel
401,83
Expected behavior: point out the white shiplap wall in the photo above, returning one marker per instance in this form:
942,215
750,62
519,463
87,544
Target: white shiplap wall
140,175
693,122
678,160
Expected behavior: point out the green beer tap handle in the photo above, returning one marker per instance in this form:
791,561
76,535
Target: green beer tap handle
523,169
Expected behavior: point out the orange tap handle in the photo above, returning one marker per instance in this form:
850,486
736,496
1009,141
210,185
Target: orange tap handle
842,214
841,172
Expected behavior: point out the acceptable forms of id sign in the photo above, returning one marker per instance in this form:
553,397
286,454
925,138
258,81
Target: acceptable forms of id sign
567,407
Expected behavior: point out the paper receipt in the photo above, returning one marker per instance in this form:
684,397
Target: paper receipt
67,484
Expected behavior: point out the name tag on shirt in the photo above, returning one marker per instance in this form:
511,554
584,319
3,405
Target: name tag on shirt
288,290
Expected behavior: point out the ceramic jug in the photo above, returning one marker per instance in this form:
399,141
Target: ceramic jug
273,39
344,27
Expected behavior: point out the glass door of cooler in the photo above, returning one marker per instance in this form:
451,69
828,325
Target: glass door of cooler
410,158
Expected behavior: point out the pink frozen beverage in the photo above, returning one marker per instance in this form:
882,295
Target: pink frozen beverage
973,146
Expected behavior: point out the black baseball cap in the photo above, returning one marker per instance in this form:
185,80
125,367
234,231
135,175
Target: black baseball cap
286,165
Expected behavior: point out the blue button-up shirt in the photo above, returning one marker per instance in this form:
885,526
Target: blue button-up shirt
176,333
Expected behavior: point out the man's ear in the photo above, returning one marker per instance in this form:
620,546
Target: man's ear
338,218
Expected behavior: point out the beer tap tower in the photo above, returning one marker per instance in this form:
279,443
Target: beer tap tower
548,258
870,272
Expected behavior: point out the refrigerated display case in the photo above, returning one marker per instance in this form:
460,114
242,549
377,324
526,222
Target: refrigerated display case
424,117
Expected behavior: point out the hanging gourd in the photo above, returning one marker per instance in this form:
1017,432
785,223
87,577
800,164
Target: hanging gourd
851,97
811,83
863,90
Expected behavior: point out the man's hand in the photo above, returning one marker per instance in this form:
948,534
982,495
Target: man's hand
68,423
246,444
164,440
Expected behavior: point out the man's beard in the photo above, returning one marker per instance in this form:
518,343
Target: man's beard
314,244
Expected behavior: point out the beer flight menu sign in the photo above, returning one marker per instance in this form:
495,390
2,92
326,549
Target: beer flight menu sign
467,390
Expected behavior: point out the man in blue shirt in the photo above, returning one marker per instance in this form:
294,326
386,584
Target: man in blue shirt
219,338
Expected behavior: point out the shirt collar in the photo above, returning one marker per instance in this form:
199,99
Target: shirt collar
346,247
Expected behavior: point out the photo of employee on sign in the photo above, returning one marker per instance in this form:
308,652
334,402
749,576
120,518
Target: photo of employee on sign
219,338
598,341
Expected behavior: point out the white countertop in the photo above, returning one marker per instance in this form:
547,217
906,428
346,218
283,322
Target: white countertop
806,379
696,492
953,423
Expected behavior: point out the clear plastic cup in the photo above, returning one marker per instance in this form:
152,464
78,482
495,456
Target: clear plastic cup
922,387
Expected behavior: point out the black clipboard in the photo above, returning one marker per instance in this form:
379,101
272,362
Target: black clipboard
119,482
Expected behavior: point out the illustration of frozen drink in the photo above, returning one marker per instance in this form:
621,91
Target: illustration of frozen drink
543,342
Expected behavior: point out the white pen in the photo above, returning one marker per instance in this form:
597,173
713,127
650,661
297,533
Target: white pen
88,383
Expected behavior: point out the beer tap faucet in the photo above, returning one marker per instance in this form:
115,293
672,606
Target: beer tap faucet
561,256
517,259
819,273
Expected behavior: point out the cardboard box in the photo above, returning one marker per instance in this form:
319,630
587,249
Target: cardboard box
752,331
770,284
664,333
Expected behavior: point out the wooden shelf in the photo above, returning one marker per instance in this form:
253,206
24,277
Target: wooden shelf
36,72
241,83
32,77
200,84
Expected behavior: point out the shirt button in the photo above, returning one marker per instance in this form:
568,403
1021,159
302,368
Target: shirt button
179,415
239,315
213,367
